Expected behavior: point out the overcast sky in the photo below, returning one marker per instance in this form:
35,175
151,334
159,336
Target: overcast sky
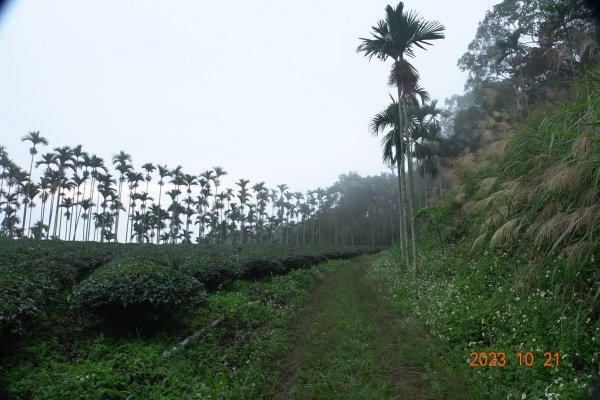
270,90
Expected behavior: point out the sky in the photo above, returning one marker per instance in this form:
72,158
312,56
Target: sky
271,91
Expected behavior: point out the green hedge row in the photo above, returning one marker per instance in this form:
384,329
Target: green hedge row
125,280
33,274
137,289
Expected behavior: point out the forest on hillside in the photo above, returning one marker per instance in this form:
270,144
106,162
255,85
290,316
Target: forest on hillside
481,245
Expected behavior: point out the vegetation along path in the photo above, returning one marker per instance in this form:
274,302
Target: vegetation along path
346,347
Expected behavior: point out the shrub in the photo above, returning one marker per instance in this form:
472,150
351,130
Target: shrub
23,294
212,271
137,289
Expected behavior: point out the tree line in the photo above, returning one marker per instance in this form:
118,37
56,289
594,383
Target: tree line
413,125
79,197
82,200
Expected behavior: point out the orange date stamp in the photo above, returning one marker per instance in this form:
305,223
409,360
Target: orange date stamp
523,359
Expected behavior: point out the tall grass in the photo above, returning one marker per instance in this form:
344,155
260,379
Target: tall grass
520,271
541,192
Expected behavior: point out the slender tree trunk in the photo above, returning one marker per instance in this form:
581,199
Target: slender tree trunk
439,176
2,184
401,182
67,225
86,234
410,186
403,231
79,210
50,213
60,220
103,222
425,183
159,214
27,194
144,229
56,211
118,210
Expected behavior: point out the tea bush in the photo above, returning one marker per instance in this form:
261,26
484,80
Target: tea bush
23,295
138,288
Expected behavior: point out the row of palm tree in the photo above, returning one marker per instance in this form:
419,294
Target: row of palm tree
396,38
80,199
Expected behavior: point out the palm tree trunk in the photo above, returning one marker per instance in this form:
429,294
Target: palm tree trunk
118,210
144,216
159,221
401,182
86,233
50,213
30,215
403,231
439,175
127,232
61,219
57,208
78,213
411,222
103,211
29,182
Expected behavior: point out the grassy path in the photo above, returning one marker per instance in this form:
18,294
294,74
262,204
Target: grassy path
346,344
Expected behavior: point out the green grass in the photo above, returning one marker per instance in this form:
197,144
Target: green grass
490,301
346,347
70,355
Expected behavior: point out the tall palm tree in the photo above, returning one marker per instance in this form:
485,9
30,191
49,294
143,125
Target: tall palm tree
133,180
393,140
425,135
189,181
176,209
35,138
209,176
243,196
262,199
144,198
4,162
104,220
149,168
45,188
96,164
122,163
163,172
78,181
396,37
63,160
50,182
80,160
67,186
10,221
219,172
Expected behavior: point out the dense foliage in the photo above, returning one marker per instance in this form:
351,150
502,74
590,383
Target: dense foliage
537,188
33,274
510,259
241,357
137,289
494,302
128,279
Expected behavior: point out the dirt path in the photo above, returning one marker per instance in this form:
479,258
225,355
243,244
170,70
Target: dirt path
347,344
